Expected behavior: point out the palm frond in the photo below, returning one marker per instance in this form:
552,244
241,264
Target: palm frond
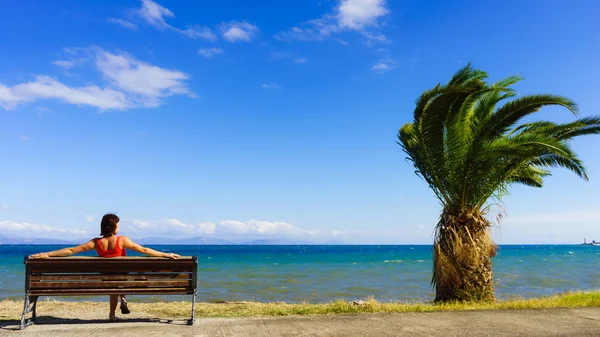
510,113
571,163
505,83
469,146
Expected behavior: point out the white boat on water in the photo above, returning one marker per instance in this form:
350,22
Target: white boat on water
593,243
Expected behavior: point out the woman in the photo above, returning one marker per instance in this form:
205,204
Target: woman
109,245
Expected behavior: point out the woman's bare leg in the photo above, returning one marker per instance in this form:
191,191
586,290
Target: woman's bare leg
114,299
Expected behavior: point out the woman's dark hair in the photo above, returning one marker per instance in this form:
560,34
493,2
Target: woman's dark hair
108,224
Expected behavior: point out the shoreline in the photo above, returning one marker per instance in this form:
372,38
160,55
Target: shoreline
10,310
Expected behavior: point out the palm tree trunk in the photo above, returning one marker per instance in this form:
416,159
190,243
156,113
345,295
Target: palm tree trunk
462,265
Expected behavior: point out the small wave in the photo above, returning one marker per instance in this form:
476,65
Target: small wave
420,260
570,252
393,261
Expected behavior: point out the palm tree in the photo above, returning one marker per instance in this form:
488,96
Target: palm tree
469,148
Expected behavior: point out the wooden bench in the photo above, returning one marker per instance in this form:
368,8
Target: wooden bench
77,276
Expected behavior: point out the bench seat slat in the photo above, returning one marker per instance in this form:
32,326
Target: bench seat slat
111,262
109,284
115,291
123,277
66,269
95,259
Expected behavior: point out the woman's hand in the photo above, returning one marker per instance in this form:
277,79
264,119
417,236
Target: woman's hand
39,256
171,255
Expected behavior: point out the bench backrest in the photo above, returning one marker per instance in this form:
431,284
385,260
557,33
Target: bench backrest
64,276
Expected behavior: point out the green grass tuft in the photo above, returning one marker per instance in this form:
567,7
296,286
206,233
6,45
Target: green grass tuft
10,310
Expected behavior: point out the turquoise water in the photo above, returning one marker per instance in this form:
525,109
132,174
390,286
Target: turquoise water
324,273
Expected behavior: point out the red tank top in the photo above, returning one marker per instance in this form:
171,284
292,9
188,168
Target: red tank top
115,252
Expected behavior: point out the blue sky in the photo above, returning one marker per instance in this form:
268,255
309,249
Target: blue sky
264,119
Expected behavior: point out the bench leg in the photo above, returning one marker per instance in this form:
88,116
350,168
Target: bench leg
34,316
25,311
191,321
27,308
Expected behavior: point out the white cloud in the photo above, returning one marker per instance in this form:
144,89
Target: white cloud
207,227
149,82
24,138
225,229
64,64
312,30
178,224
258,227
373,38
210,52
357,14
155,14
175,228
44,87
384,65
350,15
171,227
236,31
270,86
300,60
89,219
234,226
125,23
198,32
73,57
8,99
24,227
270,228
131,83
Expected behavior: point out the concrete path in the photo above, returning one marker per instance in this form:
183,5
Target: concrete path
536,322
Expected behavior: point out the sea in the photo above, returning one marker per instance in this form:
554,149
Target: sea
322,273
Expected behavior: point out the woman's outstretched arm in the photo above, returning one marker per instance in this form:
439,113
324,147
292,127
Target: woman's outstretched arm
127,243
66,251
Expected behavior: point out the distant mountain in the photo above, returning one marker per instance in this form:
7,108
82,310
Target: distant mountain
154,241
277,242
185,241
203,241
